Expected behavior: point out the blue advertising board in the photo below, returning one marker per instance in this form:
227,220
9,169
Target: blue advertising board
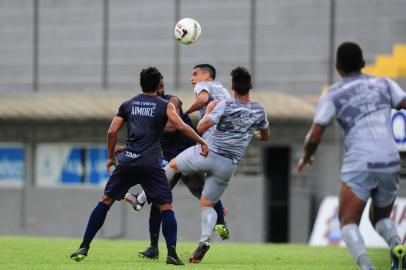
96,168
11,164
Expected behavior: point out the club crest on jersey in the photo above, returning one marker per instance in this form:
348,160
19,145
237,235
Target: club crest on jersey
132,155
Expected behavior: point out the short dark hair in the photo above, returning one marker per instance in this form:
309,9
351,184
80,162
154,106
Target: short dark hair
208,68
349,57
241,80
150,79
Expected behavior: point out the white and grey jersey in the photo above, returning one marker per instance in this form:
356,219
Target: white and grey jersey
236,123
362,106
215,90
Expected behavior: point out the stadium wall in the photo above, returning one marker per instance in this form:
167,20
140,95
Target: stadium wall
73,45
62,210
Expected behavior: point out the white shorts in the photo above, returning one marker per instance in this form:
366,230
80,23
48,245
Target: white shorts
219,170
381,187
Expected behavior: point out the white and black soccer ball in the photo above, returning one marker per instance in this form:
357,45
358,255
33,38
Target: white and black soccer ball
187,31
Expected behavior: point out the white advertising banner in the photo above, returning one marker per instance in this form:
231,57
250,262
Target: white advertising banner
70,164
326,229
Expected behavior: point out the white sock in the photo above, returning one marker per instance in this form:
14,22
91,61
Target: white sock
209,219
387,230
142,198
355,244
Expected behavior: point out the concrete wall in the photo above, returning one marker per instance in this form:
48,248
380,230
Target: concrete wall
64,211
288,48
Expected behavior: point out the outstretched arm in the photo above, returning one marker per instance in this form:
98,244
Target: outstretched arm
312,141
116,124
201,100
185,129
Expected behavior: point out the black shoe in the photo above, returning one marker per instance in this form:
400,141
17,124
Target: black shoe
199,253
150,253
79,254
174,260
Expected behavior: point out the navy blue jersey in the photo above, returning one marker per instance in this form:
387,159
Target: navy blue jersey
146,119
175,142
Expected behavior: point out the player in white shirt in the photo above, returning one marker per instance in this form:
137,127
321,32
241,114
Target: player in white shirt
206,89
362,106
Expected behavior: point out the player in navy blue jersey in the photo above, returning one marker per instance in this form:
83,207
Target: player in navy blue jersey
146,116
172,143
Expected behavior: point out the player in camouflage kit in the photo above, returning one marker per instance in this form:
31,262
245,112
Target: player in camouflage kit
370,169
233,123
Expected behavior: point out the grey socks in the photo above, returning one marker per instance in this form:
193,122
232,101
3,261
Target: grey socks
355,244
209,219
387,230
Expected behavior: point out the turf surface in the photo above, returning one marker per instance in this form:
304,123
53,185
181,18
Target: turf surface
53,253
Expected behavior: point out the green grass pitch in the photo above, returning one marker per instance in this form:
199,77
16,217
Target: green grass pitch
53,253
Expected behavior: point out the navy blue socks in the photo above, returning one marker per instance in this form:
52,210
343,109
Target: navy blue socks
154,225
96,221
218,207
169,229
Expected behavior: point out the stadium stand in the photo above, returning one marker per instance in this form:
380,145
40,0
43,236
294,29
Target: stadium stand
393,66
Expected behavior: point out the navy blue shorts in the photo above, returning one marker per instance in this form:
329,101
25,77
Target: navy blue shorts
152,180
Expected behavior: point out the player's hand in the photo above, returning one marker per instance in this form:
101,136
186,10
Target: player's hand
302,164
110,162
205,150
119,149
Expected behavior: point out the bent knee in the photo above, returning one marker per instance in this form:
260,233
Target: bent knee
163,207
173,166
205,202
107,200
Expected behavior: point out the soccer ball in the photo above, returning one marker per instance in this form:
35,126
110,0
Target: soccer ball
187,31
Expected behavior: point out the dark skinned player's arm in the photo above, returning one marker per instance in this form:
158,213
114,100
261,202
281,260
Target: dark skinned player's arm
116,124
263,134
169,128
201,100
402,105
174,117
311,143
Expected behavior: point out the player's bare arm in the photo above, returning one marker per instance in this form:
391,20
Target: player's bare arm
402,105
211,106
119,149
116,124
201,100
263,134
169,128
174,117
204,124
312,141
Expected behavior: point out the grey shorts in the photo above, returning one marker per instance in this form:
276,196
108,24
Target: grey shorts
219,170
381,187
